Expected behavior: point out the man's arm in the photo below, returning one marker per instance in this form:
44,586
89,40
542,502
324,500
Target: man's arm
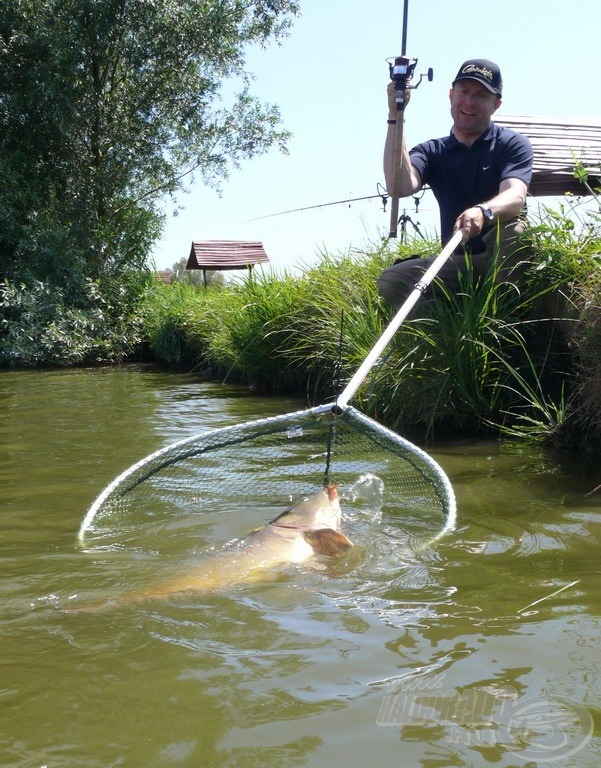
409,181
505,205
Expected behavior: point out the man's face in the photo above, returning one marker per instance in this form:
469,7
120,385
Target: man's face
472,106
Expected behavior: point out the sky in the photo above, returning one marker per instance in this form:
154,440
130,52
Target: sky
329,80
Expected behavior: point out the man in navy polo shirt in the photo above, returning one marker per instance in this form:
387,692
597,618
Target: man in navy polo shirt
479,175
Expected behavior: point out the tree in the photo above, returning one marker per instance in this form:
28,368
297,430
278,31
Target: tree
106,106
195,276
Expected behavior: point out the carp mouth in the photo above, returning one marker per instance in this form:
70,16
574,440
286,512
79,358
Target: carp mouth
332,491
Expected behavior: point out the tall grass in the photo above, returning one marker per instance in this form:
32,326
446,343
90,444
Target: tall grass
342,320
256,330
173,318
491,357
448,368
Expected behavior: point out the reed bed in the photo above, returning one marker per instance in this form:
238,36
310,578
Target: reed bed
490,359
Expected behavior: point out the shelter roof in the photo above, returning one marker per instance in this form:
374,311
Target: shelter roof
558,144
226,254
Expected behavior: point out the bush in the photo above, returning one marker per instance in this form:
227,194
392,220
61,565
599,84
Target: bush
39,327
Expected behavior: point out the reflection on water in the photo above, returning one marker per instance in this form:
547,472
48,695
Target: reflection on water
482,649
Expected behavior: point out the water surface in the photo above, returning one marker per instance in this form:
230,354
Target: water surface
481,650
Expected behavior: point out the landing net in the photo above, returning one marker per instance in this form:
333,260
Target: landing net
267,462
270,462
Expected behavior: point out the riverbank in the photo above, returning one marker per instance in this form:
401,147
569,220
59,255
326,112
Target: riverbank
489,360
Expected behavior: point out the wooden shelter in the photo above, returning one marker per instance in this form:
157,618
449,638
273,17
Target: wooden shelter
558,144
225,254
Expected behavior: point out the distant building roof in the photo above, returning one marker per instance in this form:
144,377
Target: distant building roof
164,276
226,254
558,143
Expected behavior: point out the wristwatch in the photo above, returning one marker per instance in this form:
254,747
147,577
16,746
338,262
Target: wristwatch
487,213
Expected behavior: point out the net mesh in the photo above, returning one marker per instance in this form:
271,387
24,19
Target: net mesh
267,462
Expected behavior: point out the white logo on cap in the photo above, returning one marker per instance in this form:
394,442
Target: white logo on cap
472,69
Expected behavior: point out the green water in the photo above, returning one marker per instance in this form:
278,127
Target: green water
459,656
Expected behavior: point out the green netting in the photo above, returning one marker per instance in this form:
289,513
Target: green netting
266,463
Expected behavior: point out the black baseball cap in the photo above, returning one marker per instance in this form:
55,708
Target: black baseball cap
482,71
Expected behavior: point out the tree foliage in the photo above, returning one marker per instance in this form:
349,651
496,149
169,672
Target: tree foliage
108,105
196,277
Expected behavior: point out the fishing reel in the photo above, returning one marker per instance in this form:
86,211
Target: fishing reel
401,70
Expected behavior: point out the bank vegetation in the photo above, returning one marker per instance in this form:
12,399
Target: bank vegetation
492,359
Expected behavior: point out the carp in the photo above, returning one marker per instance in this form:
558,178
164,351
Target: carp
307,528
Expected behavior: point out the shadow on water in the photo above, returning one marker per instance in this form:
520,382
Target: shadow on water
481,649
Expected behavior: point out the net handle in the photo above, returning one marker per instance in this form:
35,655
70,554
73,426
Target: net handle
396,321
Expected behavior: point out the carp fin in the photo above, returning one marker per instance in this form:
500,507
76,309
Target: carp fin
327,541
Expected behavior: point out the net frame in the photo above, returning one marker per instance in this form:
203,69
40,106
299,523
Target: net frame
277,459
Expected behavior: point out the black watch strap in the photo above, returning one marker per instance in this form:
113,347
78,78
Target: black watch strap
486,212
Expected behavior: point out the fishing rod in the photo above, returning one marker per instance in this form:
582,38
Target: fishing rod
401,69
382,194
